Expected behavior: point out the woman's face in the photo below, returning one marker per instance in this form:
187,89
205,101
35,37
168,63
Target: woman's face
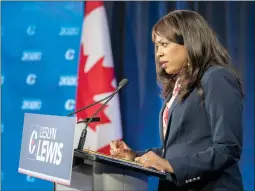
171,56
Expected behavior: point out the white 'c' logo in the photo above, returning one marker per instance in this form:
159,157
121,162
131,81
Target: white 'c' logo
31,79
69,55
31,30
70,104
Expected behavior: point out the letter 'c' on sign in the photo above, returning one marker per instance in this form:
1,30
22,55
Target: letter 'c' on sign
31,143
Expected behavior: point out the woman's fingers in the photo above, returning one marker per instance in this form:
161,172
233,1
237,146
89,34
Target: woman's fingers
112,145
114,149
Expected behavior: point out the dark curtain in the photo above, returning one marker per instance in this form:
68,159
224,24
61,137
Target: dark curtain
130,26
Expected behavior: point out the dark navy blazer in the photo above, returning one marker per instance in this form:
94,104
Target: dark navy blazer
204,143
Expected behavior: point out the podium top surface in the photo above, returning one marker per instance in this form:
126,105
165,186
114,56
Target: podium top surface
106,159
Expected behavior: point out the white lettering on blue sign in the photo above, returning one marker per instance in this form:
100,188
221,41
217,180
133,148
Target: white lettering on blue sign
31,105
67,81
44,147
69,31
31,56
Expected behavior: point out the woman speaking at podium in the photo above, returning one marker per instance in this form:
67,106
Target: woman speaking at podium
201,119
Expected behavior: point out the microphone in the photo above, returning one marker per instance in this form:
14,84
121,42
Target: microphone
88,106
122,83
95,119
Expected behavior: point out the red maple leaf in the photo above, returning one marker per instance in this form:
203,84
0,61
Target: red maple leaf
97,80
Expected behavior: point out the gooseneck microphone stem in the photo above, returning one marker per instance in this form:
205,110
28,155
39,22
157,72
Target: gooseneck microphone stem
88,106
84,131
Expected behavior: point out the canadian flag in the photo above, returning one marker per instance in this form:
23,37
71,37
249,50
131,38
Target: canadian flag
96,80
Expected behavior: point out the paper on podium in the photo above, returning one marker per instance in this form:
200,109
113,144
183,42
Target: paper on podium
122,162
110,157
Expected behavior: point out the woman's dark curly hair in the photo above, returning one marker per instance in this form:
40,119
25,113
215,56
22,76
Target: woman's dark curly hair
188,28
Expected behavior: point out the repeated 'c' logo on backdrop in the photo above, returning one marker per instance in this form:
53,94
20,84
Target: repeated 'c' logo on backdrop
31,30
31,79
69,55
70,104
30,179
39,51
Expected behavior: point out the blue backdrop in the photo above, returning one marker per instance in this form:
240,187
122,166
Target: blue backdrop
40,45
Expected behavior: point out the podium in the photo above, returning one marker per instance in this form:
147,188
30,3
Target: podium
94,171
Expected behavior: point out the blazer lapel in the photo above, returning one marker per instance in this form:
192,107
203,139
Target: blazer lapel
169,118
161,118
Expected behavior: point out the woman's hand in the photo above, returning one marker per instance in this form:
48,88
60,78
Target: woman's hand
120,149
151,159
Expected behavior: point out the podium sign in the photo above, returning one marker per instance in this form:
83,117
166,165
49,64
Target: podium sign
47,147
